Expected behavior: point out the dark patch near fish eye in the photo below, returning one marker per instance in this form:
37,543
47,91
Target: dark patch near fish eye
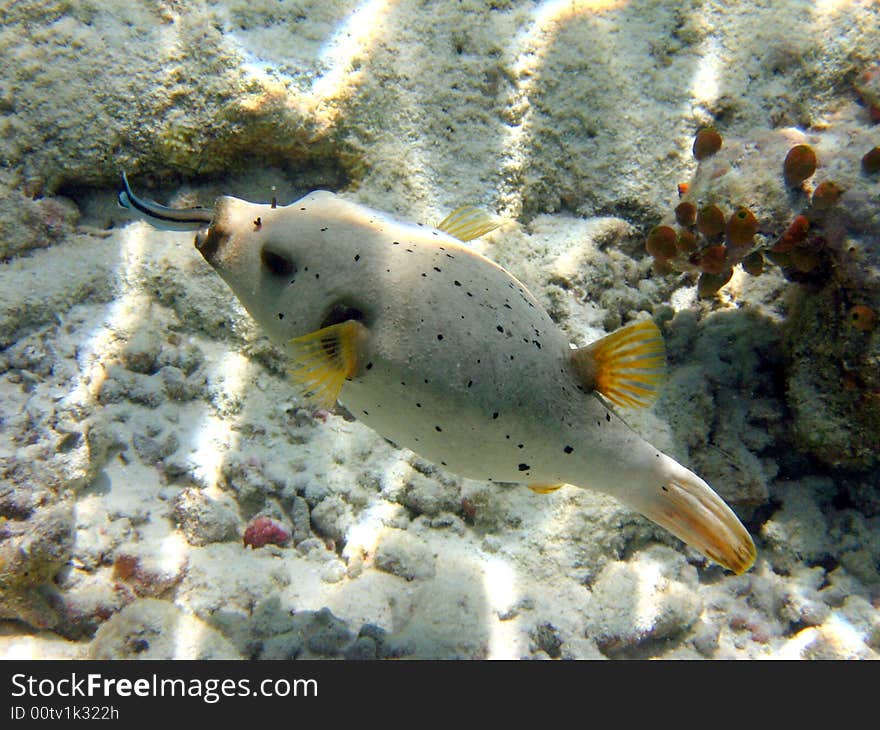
438,429
524,467
499,328
277,264
470,383
507,435
280,315
437,270
366,413
520,446
469,294
439,337
424,275
369,366
568,449
443,463
357,257
341,312
418,405
456,282
495,415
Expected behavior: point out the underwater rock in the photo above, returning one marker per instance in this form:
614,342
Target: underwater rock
31,553
300,520
141,352
153,629
153,450
332,517
403,555
647,598
431,495
834,418
796,533
205,519
33,293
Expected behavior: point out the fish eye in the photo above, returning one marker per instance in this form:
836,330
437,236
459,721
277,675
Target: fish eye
277,264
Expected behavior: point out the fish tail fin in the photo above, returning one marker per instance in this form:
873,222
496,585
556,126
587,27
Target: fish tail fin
688,507
627,367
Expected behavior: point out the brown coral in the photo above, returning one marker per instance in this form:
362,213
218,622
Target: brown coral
862,317
685,213
795,234
661,242
826,195
871,161
706,143
713,260
710,221
800,163
741,228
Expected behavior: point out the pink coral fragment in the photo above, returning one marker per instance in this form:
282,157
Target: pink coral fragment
263,530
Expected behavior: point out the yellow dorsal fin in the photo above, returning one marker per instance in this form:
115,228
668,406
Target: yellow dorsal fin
322,360
545,488
467,223
627,366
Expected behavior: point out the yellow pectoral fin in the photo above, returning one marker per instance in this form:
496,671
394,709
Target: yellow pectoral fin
322,360
545,488
627,366
467,223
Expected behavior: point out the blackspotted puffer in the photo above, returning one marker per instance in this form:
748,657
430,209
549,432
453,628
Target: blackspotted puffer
444,352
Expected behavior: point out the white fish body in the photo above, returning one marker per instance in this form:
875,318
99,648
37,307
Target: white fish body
444,352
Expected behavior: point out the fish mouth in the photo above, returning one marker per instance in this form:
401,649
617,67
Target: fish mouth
207,242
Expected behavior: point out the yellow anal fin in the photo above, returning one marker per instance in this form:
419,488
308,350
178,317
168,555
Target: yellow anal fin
545,488
322,360
627,366
691,511
467,223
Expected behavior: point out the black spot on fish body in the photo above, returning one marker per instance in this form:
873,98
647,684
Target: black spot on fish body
608,417
323,229
457,283
438,429
357,257
280,315
520,446
499,328
495,415
437,270
523,467
369,366
439,337
568,449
